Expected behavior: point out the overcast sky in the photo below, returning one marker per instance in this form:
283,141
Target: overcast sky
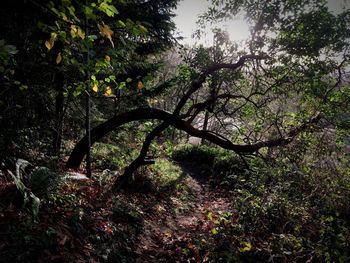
188,11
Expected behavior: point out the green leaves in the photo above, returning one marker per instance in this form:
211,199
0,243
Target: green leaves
139,30
76,43
6,54
107,8
76,31
210,216
310,32
6,50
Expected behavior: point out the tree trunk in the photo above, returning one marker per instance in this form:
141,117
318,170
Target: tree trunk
205,124
103,129
140,160
59,106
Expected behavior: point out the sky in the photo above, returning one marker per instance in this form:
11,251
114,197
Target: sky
188,11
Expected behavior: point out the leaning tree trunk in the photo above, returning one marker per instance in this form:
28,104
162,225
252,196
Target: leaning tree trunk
103,129
125,179
172,119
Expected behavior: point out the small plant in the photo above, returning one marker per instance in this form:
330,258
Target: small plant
28,196
165,173
126,212
108,156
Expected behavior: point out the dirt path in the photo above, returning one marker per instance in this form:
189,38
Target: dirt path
184,225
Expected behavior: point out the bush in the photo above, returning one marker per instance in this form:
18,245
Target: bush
109,156
224,167
196,153
43,182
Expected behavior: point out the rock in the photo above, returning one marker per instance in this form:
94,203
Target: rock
74,176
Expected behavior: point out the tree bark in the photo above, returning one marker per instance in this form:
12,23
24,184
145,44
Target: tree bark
205,124
59,106
139,161
103,129
169,119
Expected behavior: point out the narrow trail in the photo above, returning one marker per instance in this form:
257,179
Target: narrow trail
179,231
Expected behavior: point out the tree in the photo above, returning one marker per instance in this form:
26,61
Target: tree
68,48
293,77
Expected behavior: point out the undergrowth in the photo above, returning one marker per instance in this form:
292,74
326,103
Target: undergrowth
284,211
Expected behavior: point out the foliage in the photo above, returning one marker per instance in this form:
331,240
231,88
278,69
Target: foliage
43,181
223,167
33,186
200,154
279,103
165,173
108,156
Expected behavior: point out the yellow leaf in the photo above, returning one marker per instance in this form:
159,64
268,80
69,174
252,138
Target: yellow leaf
95,88
140,85
63,241
210,215
106,32
80,33
73,30
107,58
59,58
246,247
49,43
108,91
214,231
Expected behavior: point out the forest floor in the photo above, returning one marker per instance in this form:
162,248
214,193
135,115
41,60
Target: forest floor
184,226
177,222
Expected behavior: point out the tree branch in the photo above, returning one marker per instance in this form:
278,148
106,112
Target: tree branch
103,129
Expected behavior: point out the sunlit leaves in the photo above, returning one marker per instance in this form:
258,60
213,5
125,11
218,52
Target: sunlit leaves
77,31
210,215
214,231
95,88
121,24
246,246
58,58
122,85
50,43
108,9
106,84
106,32
89,12
75,28
311,32
108,91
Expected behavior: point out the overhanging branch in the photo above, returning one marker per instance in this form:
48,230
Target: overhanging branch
103,129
